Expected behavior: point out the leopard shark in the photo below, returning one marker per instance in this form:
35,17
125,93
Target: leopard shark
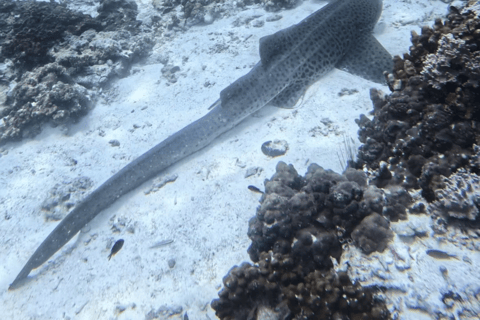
339,35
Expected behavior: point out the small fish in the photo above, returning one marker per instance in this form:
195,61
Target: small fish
437,254
255,189
161,243
116,247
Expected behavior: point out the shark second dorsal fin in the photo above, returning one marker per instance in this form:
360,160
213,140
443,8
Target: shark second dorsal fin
368,59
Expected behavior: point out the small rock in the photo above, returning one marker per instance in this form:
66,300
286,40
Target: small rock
240,164
275,148
258,23
114,143
252,171
275,17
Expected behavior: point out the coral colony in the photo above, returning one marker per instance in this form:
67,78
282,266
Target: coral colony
423,136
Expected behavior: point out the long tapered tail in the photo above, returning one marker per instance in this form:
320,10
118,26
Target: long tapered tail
190,139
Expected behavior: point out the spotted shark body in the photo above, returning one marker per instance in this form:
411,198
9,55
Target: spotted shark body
337,35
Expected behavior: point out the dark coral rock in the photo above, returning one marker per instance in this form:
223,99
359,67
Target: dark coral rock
30,29
54,59
370,151
459,197
287,176
344,192
35,27
373,199
474,161
320,180
299,228
205,11
277,5
46,93
372,234
321,295
356,176
245,288
382,176
397,200
168,5
424,135
428,125
118,14
195,11
415,164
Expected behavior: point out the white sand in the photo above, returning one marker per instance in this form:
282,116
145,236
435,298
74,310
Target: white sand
206,210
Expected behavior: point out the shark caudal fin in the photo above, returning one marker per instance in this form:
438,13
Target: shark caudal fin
368,59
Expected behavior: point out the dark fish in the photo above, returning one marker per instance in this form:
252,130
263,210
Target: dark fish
255,189
437,254
116,247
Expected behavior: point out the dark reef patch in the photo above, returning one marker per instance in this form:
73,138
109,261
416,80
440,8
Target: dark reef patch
296,235
119,15
421,155
372,233
206,11
429,125
30,29
425,134
53,60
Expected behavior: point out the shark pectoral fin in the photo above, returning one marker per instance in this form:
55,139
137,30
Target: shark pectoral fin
289,96
367,59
